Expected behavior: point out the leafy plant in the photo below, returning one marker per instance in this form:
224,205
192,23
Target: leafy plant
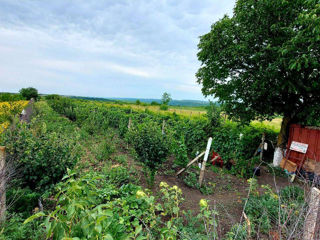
150,145
172,199
180,152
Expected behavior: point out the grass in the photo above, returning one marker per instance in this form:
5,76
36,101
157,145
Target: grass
187,111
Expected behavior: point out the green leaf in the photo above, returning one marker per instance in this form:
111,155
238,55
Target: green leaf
35,216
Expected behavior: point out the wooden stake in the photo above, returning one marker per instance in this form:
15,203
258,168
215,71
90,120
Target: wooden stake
190,163
310,225
203,166
129,123
248,224
262,145
163,125
2,183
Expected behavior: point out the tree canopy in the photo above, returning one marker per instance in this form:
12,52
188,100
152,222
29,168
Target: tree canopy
166,98
29,93
264,60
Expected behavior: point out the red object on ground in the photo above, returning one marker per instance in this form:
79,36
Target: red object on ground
218,160
308,135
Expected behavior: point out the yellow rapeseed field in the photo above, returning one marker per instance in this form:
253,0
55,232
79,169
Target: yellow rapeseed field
9,109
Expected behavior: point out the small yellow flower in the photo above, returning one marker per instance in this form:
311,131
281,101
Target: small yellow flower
140,194
203,203
164,184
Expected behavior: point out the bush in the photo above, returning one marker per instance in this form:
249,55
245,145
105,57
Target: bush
14,229
29,93
9,97
180,152
41,158
150,145
164,107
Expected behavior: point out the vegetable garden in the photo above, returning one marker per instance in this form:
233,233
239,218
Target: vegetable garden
87,170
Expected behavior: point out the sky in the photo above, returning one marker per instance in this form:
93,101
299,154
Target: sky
97,48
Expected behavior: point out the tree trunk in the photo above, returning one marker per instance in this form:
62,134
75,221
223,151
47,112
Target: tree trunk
284,132
282,140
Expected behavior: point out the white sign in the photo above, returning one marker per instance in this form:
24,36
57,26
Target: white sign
299,147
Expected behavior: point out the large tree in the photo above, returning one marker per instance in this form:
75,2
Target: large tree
264,61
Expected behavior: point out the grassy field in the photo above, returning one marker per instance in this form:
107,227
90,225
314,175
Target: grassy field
185,111
274,124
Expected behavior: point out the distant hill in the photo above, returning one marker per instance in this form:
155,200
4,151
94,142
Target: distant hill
189,103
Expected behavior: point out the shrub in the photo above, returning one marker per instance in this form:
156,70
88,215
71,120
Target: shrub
164,107
14,229
86,212
150,145
41,158
180,152
9,97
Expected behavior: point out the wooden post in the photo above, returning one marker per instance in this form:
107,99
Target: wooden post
203,166
310,225
163,125
129,123
262,145
2,183
190,163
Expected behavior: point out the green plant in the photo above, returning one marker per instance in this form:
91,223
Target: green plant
14,229
172,199
103,150
180,152
122,159
119,175
107,212
150,145
237,232
191,180
243,77
41,157
208,216
164,107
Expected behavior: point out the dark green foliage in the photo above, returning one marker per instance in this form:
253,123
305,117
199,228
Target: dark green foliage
53,97
8,97
42,150
150,145
22,200
120,176
263,210
89,212
264,60
195,131
29,93
14,229
181,154
166,98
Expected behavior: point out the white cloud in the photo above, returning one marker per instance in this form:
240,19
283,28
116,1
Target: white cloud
105,48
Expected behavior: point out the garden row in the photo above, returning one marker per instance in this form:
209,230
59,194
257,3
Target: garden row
184,136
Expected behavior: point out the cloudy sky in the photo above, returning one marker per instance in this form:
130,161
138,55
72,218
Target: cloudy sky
112,48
